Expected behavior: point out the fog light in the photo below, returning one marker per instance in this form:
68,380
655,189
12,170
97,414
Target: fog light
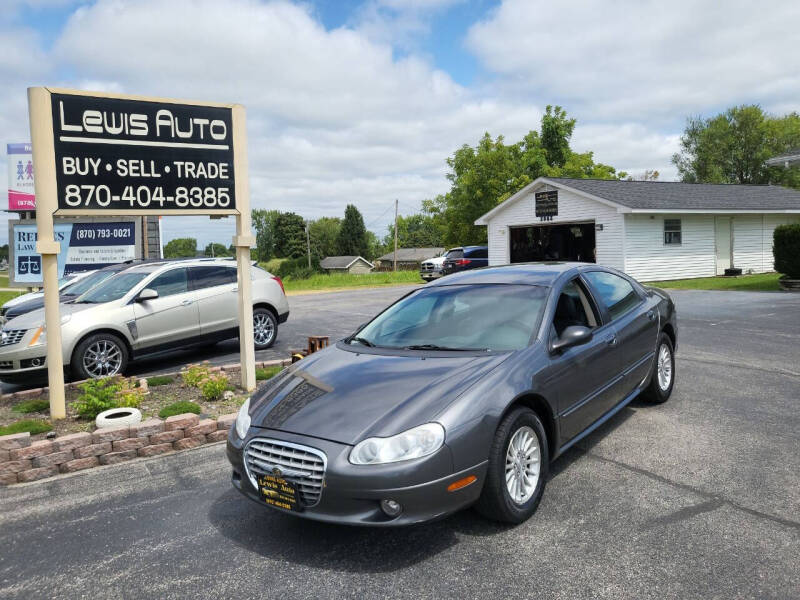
390,507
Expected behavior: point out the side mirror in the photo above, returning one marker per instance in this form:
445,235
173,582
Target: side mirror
147,294
574,335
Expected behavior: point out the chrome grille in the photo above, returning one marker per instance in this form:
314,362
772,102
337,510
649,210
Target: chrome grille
6,364
303,466
11,336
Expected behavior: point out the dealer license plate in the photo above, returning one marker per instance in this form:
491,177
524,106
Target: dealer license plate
278,492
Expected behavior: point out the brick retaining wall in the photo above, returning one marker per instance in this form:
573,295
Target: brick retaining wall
22,460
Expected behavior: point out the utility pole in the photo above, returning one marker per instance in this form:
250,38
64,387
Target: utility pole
308,246
395,234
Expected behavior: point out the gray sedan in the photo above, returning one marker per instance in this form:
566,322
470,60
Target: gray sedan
459,394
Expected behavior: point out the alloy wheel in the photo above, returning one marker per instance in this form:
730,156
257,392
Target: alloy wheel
522,465
102,358
263,329
664,367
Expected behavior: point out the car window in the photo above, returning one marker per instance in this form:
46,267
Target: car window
478,253
459,253
87,283
211,276
574,308
112,288
615,292
170,283
477,316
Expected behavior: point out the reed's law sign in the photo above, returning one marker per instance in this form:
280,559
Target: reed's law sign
117,155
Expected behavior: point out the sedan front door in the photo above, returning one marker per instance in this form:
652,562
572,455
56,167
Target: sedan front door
171,319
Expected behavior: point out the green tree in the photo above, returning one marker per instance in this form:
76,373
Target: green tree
264,225
352,237
215,249
323,233
732,147
556,133
290,235
181,248
487,174
374,247
414,231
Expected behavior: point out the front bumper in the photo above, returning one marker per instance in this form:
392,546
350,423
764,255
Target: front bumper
21,362
352,493
430,275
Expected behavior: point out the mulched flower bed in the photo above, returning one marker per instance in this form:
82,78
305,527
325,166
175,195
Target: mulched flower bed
157,398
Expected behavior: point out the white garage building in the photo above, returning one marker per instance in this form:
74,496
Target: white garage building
651,230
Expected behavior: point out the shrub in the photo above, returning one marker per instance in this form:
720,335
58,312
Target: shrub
267,373
32,406
179,408
105,393
194,374
297,268
786,248
130,394
97,395
213,386
32,426
159,380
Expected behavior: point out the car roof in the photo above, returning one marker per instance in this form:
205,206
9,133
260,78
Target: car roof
156,264
543,273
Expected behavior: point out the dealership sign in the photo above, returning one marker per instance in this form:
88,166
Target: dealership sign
20,178
546,205
137,157
84,247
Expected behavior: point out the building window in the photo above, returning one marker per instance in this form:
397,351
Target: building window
672,232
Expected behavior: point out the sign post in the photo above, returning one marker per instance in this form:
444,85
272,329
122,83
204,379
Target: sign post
109,154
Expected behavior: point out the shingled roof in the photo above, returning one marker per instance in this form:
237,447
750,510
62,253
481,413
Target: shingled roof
674,195
341,262
668,196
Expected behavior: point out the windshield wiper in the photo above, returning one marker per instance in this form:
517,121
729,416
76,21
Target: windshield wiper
361,340
436,347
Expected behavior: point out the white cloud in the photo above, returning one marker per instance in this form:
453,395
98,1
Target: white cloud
650,61
333,116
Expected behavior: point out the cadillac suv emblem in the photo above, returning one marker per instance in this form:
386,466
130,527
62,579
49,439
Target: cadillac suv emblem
277,472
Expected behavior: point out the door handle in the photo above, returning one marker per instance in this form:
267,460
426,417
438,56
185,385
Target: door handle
236,289
186,302
651,314
611,340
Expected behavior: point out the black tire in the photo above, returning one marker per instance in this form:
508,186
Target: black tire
654,393
264,313
78,366
495,502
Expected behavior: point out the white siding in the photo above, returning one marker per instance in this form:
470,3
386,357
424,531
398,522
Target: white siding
748,244
647,258
571,208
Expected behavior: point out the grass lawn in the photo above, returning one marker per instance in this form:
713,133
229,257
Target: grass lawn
323,282
761,282
3,280
6,296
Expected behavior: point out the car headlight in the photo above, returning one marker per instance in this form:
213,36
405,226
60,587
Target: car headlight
243,419
40,335
414,443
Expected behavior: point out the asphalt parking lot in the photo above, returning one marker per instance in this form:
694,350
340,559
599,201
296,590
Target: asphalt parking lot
696,498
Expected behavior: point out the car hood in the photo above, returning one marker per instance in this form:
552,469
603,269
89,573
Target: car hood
346,396
24,298
35,318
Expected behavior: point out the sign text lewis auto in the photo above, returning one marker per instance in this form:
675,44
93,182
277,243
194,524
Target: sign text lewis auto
128,155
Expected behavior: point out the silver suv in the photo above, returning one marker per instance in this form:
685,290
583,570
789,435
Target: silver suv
142,310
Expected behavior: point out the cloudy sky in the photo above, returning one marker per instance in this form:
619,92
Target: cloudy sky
362,101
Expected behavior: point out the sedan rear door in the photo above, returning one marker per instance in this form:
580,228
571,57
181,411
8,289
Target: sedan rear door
635,317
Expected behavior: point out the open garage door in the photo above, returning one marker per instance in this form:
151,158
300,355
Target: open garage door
569,242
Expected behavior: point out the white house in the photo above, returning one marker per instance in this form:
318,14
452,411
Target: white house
652,230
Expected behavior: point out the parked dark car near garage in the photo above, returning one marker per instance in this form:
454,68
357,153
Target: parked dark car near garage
459,394
468,257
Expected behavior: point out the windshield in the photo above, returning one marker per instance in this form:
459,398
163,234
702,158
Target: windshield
112,288
87,283
459,317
